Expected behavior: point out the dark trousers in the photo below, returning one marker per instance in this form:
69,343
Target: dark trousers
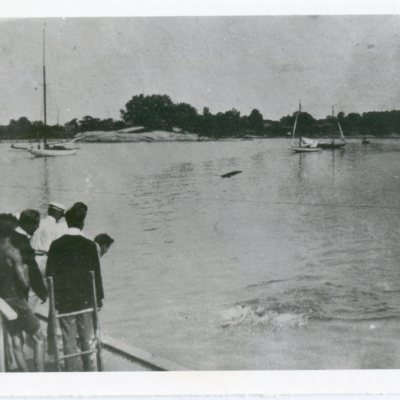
78,326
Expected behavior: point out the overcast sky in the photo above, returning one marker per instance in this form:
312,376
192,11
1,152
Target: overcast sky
94,66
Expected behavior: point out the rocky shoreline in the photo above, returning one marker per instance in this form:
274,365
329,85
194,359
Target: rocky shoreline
140,134
137,134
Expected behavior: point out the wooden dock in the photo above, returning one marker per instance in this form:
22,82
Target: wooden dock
118,356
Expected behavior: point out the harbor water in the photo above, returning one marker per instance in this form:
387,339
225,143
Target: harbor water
292,264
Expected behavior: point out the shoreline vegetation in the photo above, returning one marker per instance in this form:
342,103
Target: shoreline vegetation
164,136
155,118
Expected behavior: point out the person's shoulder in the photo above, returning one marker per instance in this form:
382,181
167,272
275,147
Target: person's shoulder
18,238
87,241
75,240
16,235
90,245
59,241
82,240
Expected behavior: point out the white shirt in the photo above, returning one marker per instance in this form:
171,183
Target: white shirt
98,249
45,234
62,227
74,232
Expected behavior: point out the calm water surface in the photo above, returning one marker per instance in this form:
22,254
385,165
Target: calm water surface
292,264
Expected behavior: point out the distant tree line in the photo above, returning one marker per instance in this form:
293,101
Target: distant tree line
159,112
23,128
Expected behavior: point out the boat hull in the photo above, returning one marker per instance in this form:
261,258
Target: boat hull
52,153
18,148
306,149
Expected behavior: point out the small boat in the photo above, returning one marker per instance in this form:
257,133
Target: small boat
302,149
230,174
365,141
49,150
14,147
305,145
332,144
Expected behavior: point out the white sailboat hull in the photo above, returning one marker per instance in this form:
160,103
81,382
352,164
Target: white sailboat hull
306,149
306,145
52,153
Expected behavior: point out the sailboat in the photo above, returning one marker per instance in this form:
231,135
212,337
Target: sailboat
365,140
332,144
305,145
16,147
48,150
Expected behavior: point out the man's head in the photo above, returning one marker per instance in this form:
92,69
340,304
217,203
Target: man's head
56,210
7,226
81,205
104,241
29,221
75,217
10,219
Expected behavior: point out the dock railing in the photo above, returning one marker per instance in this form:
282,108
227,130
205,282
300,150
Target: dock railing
6,314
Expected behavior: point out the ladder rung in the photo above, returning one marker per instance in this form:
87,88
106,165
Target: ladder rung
54,316
87,310
82,353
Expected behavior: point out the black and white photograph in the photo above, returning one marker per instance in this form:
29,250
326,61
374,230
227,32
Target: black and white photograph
200,193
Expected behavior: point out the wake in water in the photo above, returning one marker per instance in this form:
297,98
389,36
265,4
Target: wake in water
256,315
297,301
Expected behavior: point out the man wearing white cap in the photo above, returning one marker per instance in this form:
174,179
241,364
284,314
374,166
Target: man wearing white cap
50,229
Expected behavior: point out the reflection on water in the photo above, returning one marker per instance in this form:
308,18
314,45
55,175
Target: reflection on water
291,264
45,184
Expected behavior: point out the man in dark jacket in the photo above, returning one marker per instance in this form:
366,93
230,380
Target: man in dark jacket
70,260
14,284
28,223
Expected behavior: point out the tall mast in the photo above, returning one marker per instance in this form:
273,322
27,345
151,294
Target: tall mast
294,128
44,86
295,123
298,115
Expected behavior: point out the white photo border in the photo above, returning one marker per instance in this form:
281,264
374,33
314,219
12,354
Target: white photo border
233,383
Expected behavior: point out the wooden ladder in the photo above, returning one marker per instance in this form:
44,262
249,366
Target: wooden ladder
54,316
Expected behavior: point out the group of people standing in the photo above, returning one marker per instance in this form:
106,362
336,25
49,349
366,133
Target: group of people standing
33,249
